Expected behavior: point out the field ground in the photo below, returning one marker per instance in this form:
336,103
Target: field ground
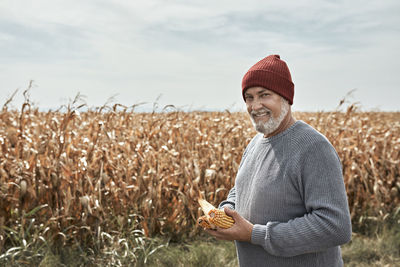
379,249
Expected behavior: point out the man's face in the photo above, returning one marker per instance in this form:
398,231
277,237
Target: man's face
267,109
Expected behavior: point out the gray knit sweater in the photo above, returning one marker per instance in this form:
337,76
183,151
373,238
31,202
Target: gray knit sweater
290,186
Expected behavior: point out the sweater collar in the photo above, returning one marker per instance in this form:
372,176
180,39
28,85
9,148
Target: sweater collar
281,134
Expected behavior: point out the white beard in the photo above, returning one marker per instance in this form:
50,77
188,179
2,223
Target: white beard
272,124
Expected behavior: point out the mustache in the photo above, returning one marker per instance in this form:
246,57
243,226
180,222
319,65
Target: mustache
258,112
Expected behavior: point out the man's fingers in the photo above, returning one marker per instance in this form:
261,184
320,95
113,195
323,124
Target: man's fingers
219,233
230,212
214,233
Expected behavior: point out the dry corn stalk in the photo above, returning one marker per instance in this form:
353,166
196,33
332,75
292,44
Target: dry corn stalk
150,164
213,217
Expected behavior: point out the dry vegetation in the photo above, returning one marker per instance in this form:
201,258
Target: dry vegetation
105,178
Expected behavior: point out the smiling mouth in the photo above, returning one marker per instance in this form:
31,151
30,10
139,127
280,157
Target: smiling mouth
260,114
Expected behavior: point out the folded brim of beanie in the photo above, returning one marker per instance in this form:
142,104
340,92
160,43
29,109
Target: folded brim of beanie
269,80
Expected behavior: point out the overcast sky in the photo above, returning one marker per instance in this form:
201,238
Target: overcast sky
193,54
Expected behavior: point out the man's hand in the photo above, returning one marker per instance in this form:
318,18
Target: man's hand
240,231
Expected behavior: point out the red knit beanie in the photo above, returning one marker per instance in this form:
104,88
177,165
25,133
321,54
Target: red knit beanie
271,73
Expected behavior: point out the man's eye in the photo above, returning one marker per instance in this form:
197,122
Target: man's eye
264,95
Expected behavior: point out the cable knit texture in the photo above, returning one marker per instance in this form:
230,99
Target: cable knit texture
271,73
290,186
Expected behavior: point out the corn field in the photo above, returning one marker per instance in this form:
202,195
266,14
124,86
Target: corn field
84,177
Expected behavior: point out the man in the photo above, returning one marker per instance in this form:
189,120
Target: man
289,201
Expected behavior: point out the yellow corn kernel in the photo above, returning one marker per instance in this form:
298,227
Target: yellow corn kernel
213,217
220,219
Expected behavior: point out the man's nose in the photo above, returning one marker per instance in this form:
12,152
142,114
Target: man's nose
256,104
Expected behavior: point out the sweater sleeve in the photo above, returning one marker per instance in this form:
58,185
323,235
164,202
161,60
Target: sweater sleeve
327,220
230,200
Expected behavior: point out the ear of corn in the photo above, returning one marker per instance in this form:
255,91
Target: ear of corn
206,206
220,219
213,217
205,223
